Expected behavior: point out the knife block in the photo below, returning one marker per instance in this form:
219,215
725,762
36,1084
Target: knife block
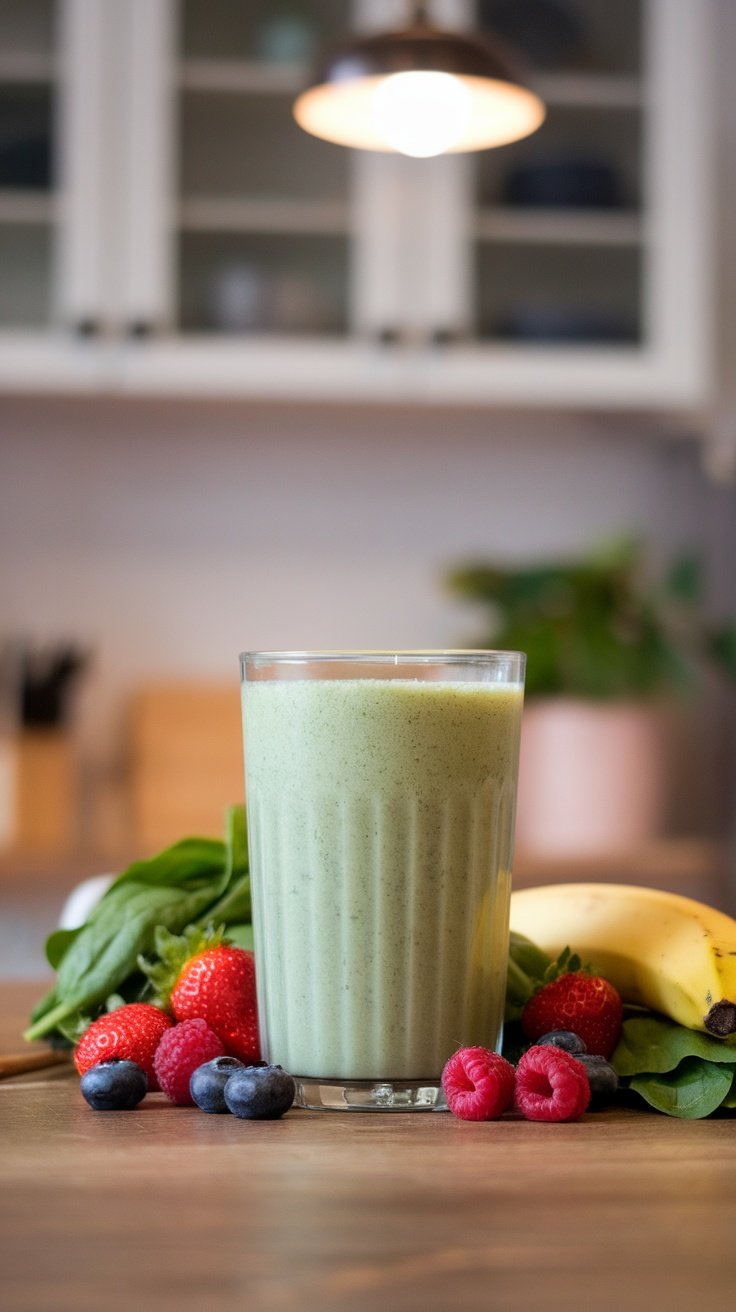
43,792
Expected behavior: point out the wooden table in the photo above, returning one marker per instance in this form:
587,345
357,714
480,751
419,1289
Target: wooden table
165,1208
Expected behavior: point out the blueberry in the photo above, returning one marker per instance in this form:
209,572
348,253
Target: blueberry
260,1093
564,1039
207,1083
114,1085
602,1078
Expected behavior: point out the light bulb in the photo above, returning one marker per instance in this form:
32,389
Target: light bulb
421,113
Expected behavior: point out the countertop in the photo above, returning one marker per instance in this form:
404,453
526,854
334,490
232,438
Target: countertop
165,1207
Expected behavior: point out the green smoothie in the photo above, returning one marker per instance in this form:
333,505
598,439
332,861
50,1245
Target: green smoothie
380,816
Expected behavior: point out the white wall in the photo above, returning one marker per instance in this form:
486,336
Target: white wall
171,536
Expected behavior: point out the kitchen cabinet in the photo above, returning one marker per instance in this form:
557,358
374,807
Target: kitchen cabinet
189,239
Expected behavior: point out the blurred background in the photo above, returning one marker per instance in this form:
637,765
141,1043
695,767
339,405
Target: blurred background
260,391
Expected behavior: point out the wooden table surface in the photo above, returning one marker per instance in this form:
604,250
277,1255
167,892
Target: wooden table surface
167,1208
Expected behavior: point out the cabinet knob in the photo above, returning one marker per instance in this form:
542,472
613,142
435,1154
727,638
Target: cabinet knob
88,327
140,329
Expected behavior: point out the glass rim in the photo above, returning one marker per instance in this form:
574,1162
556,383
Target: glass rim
418,656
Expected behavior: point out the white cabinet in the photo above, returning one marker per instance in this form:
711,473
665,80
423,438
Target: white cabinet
191,240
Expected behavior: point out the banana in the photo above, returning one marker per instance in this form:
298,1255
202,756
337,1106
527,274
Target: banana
660,950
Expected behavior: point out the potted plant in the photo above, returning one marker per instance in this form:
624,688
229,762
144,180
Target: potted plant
606,647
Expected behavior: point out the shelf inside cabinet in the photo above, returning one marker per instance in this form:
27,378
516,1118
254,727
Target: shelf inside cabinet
590,90
260,29
575,160
27,32
563,295
25,138
591,36
226,214
565,227
263,283
21,67
32,207
241,77
25,275
251,147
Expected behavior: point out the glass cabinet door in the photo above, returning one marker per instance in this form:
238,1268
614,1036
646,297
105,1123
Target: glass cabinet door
557,228
28,164
262,211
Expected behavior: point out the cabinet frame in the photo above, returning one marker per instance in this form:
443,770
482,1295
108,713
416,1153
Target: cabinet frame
117,213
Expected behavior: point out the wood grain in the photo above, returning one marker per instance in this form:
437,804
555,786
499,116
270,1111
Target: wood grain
170,1208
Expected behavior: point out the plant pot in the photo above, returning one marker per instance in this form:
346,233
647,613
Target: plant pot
592,778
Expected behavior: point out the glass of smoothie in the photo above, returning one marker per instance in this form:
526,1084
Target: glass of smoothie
381,790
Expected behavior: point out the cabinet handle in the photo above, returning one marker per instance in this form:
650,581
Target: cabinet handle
88,327
140,329
389,336
444,336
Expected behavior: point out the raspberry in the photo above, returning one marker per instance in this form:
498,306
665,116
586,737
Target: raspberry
478,1084
551,1085
182,1049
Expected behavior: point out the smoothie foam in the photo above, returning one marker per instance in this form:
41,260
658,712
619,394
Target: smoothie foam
380,816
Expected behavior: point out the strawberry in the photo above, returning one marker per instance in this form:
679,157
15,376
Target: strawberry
132,1033
200,976
577,1001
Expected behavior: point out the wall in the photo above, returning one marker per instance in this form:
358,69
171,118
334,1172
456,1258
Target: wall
170,536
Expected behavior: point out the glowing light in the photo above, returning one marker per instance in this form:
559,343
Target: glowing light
421,113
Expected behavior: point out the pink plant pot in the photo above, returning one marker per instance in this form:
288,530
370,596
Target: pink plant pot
592,778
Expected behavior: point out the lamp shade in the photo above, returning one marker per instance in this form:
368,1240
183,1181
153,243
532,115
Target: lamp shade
420,91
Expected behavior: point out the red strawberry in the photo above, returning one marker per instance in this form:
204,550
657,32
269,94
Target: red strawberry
132,1032
577,1001
200,977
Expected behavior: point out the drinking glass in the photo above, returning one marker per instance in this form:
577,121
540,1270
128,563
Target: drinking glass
381,792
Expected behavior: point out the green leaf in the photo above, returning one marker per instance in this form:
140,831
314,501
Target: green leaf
722,646
729,1102
236,840
57,945
692,1091
241,936
173,889
653,1045
44,1005
72,1027
685,579
234,906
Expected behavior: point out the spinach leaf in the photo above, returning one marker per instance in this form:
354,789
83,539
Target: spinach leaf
44,1004
729,1102
653,1045
173,889
57,945
234,906
241,936
692,1091
196,881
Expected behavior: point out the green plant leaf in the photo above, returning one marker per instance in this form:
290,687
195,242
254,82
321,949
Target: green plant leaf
57,945
722,646
692,1091
729,1102
241,936
685,579
597,627
653,1045
173,889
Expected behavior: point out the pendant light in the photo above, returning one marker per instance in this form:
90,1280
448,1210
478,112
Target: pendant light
419,91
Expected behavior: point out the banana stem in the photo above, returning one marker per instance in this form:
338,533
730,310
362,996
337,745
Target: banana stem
721,1019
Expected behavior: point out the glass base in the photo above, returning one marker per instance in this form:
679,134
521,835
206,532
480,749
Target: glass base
369,1095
